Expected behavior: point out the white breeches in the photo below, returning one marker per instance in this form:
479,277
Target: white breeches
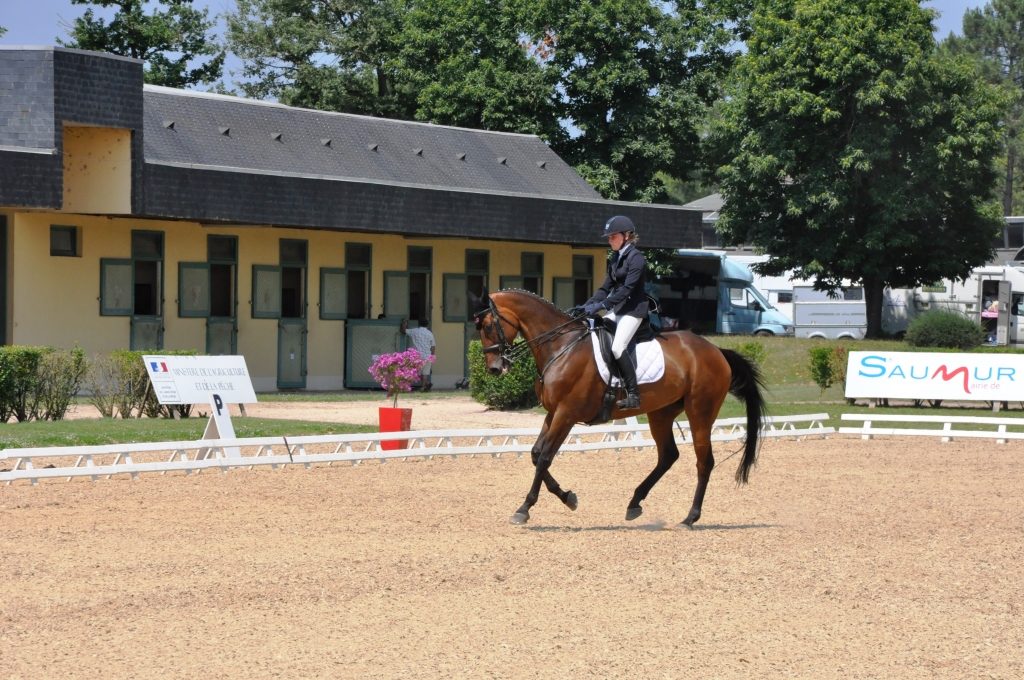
624,331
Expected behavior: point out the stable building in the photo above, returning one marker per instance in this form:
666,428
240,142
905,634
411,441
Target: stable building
143,217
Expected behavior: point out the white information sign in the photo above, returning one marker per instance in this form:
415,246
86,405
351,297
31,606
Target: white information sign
193,380
934,375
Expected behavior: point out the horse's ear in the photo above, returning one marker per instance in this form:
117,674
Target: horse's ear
478,306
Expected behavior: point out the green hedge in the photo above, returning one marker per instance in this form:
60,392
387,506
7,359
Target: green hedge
513,390
119,385
38,383
941,328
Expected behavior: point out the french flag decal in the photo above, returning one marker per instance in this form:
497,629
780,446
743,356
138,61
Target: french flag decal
158,366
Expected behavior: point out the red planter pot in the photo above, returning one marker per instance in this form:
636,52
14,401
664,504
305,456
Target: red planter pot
394,420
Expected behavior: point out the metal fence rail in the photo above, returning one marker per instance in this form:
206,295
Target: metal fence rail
987,427
95,462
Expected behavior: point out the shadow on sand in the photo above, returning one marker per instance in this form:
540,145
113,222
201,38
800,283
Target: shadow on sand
650,526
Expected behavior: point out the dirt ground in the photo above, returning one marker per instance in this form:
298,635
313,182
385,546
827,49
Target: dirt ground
843,558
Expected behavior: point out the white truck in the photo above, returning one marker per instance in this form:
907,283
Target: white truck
971,297
711,293
821,314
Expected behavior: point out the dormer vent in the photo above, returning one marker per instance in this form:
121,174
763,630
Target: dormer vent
542,164
373,147
502,160
224,130
461,156
325,141
418,152
276,136
169,124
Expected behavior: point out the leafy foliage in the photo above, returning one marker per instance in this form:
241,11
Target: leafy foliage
168,40
992,34
634,79
828,365
849,149
753,351
61,373
322,55
514,390
821,367
118,384
19,381
941,328
38,383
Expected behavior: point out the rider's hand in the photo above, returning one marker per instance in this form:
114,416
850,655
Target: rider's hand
575,311
592,308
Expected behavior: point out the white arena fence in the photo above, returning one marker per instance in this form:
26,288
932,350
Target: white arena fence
95,462
938,426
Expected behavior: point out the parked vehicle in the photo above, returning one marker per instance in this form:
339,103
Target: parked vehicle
973,298
824,314
711,293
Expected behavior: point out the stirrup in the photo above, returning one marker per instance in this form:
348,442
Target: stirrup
631,401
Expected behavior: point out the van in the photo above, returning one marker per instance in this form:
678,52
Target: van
710,293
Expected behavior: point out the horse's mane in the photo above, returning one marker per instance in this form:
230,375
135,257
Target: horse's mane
531,294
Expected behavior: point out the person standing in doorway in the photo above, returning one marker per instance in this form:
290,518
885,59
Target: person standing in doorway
422,340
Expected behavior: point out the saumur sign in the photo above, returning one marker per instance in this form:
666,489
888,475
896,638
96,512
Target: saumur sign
932,375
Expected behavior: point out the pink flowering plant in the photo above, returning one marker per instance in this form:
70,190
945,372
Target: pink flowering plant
398,371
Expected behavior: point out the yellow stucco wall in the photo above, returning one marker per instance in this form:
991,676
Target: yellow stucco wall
55,300
97,170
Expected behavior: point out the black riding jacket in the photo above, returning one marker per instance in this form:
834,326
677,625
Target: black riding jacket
623,290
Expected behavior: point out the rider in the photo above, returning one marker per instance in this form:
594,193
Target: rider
622,297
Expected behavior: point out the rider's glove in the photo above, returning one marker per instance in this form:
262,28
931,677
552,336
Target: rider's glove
575,311
592,308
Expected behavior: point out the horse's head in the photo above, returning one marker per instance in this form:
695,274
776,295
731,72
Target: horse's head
497,333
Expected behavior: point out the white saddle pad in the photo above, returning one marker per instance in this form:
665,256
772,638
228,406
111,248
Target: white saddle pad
650,362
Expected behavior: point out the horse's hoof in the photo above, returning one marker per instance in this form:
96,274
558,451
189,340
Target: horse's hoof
633,513
688,522
571,501
519,518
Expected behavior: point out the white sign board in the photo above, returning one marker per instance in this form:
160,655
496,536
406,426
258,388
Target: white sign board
934,375
192,380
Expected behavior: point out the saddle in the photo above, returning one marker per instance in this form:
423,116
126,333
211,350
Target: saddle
603,333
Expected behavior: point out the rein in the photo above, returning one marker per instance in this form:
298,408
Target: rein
511,353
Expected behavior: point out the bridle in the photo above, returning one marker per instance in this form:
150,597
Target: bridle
510,352
506,350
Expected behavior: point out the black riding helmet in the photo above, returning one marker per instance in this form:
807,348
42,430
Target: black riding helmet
617,225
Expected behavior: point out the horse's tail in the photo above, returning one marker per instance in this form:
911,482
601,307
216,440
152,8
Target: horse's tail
746,385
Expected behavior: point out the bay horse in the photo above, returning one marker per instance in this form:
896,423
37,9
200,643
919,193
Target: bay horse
698,376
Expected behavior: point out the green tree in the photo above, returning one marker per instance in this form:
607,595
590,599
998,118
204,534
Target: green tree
467,65
323,54
168,40
2,31
632,80
617,87
995,35
848,149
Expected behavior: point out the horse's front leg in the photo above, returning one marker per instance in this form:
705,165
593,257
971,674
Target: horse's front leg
551,436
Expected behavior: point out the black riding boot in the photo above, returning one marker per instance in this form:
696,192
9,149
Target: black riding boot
628,375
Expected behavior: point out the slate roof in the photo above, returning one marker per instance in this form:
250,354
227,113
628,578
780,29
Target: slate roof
202,130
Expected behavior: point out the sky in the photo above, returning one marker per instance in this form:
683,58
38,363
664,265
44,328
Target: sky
40,22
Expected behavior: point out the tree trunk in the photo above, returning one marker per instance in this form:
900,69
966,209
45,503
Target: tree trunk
873,296
1011,160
